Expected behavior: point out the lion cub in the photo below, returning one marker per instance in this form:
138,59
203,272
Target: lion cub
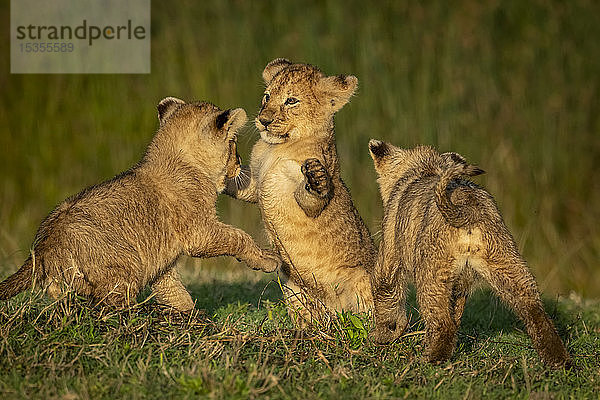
111,240
443,232
294,175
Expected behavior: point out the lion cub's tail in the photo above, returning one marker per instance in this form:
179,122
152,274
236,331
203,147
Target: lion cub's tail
17,282
455,215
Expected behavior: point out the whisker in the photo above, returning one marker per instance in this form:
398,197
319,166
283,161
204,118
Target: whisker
242,180
377,234
246,181
242,176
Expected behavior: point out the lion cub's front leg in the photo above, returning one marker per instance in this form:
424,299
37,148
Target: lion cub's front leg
389,282
225,240
316,190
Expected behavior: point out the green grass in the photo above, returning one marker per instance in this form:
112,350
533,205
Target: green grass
248,349
512,85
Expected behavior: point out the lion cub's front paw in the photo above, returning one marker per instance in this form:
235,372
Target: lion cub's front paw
268,261
387,333
317,180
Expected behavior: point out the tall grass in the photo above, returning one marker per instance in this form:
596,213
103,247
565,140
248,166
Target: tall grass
513,86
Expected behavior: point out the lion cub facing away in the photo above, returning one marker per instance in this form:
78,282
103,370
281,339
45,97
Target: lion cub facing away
294,175
111,240
443,232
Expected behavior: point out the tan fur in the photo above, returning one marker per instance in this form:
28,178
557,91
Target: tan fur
294,175
444,233
113,239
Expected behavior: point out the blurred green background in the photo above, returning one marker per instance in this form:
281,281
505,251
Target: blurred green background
512,85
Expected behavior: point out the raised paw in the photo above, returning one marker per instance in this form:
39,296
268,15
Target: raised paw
317,180
268,261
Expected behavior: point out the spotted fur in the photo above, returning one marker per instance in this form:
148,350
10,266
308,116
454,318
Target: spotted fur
294,176
445,233
113,239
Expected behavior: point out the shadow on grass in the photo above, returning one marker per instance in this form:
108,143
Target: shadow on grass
214,295
486,315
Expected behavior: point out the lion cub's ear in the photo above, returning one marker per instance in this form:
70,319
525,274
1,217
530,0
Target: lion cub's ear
274,67
378,149
230,121
454,158
167,106
338,90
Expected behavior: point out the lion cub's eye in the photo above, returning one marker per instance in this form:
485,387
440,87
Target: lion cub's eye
290,101
266,97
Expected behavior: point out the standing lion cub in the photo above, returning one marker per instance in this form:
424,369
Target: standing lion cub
443,232
306,207
111,240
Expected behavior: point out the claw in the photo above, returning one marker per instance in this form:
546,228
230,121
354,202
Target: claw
316,176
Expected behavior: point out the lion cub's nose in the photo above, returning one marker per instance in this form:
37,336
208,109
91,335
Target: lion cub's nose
265,121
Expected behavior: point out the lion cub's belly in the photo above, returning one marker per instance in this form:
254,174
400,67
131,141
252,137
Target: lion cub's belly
303,241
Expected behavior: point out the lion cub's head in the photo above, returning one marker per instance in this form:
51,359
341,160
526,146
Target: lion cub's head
202,136
300,101
393,163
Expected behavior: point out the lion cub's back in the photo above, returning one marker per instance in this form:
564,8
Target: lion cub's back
418,224
114,224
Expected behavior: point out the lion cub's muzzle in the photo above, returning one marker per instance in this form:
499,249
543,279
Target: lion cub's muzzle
269,128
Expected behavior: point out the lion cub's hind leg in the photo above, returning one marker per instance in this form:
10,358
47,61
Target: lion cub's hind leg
439,313
169,291
302,309
510,278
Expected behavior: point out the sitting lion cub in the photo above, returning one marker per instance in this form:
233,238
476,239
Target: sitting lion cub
306,207
111,240
443,232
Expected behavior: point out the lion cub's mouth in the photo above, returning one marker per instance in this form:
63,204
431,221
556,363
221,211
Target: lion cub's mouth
274,138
